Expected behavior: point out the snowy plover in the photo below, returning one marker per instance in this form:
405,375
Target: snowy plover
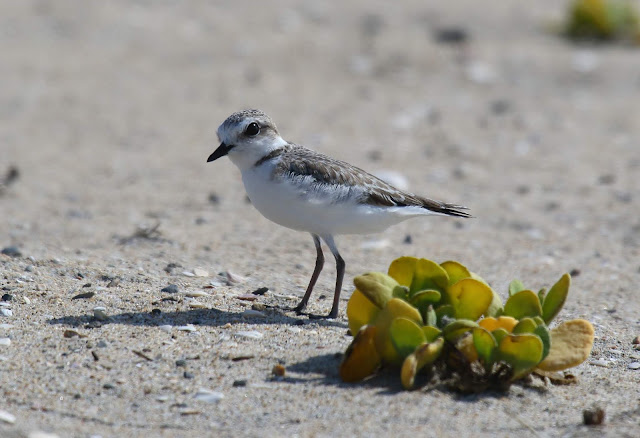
304,190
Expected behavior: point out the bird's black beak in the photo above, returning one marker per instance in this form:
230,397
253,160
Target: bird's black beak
222,150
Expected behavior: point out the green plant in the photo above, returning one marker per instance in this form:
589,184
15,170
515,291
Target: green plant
422,313
603,20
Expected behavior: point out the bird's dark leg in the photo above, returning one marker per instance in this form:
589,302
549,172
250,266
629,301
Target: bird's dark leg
340,265
314,277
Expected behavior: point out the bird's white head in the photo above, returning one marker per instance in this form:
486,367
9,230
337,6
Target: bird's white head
247,136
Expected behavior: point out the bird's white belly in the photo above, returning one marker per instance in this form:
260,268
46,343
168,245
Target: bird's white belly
291,205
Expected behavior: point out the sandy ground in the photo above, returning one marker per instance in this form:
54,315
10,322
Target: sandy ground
109,111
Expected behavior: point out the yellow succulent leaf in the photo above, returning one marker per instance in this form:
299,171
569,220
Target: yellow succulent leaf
424,355
408,371
402,270
506,322
571,344
418,274
395,308
470,298
455,270
376,286
522,352
361,358
360,311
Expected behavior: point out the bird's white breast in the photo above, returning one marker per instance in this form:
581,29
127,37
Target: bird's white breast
301,204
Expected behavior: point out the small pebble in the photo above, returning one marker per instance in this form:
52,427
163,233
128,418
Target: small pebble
83,296
208,396
7,297
26,300
260,291
188,274
250,313
451,35
181,363
600,363
196,294
634,366
214,198
101,343
6,312
193,304
188,375
5,342
165,328
248,297
636,340
249,334
574,272
278,370
100,313
239,383
186,328
156,312
11,251
593,417
6,417
172,289
408,240
72,333
199,272
113,283
233,278
109,386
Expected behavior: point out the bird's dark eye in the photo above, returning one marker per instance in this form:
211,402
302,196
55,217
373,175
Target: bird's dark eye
252,130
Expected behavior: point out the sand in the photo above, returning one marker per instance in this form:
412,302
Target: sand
109,110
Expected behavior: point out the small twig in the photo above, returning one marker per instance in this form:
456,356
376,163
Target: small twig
142,355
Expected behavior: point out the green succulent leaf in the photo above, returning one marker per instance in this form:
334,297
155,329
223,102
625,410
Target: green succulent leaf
395,308
446,311
524,303
457,328
541,294
525,325
431,333
470,298
376,286
522,352
406,335
424,355
556,297
539,320
515,286
424,298
499,334
430,317
401,292
543,333
456,271
485,345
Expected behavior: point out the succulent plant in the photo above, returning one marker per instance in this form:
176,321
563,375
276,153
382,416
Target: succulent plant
422,313
603,20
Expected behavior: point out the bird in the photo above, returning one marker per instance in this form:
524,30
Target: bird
304,190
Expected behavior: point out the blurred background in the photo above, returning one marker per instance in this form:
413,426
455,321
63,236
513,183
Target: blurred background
110,109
